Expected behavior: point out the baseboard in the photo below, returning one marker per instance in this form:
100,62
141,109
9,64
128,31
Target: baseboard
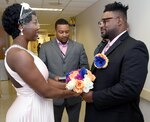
145,94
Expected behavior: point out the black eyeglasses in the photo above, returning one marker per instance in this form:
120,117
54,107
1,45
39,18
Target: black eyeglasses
104,20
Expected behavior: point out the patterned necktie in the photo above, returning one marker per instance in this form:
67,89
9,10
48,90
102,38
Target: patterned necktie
63,50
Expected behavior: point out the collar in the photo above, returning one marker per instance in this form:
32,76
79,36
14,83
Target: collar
115,39
59,43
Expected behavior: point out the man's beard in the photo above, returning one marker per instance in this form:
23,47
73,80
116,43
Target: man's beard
104,36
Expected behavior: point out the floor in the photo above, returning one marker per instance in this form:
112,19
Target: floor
7,96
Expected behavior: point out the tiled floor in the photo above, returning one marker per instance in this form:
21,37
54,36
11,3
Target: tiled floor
7,96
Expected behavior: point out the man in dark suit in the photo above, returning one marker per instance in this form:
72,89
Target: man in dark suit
61,56
117,88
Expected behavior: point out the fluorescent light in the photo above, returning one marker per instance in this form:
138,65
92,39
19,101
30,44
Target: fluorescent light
46,9
45,24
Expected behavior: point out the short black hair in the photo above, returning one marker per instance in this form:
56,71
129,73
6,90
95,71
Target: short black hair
117,6
61,21
10,19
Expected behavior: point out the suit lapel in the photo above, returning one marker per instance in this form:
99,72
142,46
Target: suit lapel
113,47
108,52
117,43
93,67
100,47
69,48
98,50
56,47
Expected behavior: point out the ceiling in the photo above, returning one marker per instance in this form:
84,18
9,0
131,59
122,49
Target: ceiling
71,8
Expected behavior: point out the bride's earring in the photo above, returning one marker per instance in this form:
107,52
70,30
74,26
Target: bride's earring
21,33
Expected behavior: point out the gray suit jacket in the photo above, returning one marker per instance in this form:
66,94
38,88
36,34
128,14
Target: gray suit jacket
58,66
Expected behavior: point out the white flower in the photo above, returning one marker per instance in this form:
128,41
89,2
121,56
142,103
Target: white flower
87,83
71,84
25,6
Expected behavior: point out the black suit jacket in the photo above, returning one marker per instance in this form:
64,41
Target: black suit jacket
117,88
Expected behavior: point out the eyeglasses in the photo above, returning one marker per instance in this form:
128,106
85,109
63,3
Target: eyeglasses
104,20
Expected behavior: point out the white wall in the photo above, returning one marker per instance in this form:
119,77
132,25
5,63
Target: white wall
139,21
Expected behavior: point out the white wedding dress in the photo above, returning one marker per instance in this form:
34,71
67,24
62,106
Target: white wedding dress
29,106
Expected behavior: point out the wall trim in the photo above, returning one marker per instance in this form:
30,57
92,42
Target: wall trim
145,94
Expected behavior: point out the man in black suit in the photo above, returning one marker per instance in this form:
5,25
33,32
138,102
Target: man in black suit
117,88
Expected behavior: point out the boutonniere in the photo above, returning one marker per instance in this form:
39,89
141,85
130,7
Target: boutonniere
100,61
80,80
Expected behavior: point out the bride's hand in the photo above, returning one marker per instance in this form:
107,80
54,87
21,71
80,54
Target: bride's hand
70,93
59,85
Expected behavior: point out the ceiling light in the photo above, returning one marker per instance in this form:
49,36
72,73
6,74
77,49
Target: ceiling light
46,9
45,24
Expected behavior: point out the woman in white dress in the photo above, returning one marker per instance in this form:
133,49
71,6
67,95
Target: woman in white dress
28,73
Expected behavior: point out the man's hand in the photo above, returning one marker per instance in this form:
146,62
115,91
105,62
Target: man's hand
87,96
56,78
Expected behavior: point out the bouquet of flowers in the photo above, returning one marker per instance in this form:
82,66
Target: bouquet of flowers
100,61
80,80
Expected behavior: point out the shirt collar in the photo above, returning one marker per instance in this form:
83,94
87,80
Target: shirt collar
115,39
59,43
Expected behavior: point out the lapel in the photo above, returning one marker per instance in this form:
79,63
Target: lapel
117,43
100,47
97,50
93,67
56,47
69,49
113,47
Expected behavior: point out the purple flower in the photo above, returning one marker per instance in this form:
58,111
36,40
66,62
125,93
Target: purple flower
79,77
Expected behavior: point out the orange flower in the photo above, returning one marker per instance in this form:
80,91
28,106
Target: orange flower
79,86
73,74
80,80
90,75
